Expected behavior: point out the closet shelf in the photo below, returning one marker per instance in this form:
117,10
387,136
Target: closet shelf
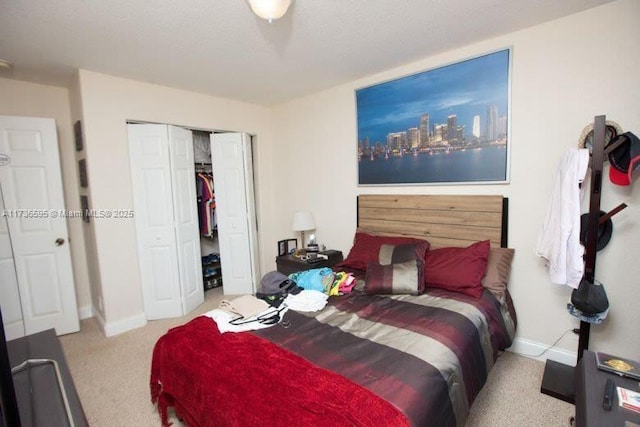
213,235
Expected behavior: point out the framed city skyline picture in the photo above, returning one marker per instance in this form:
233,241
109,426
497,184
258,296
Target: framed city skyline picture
448,125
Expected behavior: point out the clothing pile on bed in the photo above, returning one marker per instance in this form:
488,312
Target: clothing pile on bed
324,280
306,291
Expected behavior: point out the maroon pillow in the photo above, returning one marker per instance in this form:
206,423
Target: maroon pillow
366,248
457,269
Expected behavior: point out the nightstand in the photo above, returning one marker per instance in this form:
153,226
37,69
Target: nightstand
590,383
288,264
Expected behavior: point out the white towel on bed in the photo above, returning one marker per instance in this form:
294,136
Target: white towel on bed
307,300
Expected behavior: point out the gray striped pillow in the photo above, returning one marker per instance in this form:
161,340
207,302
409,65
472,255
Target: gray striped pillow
399,278
399,270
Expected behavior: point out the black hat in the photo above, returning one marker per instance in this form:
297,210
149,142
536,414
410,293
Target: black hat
604,231
275,282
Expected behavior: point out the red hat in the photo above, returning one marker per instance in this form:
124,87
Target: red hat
624,159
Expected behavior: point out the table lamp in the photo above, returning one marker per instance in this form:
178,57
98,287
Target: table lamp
302,221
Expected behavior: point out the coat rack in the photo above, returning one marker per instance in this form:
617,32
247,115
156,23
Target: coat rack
597,159
558,379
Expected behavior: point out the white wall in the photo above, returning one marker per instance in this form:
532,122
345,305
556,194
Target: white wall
107,103
564,73
35,100
91,254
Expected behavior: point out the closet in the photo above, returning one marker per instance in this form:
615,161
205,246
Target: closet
207,218
176,232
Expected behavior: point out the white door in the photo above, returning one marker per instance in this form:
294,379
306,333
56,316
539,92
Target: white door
153,204
32,192
187,227
231,159
9,296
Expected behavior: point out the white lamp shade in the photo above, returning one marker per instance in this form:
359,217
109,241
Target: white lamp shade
269,9
302,221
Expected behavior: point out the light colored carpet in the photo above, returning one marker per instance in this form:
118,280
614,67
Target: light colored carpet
112,379
511,397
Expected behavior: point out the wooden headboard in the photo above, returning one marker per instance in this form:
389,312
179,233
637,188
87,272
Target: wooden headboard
443,220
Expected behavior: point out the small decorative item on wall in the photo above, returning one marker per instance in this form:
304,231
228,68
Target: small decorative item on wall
82,170
84,207
442,126
77,132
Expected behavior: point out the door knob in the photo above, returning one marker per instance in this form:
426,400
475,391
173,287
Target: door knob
59,241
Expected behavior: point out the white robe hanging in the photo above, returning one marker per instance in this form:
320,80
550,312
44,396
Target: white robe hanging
559,241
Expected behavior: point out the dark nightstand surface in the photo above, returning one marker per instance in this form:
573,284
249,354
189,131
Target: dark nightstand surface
288,264
39,400
590,383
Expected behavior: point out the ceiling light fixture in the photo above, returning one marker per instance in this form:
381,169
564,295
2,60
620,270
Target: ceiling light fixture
5,65
270,9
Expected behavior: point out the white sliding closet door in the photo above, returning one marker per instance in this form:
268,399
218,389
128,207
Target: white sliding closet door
153,203
166,219
235,211
186,217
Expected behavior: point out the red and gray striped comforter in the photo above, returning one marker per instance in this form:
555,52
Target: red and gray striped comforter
429,355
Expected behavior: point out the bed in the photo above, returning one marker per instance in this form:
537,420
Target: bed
369,358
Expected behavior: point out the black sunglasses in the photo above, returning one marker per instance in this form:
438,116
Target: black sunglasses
269,318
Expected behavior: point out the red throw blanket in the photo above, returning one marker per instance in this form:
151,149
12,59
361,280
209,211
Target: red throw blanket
239,379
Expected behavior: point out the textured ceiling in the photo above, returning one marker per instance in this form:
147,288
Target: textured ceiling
220,48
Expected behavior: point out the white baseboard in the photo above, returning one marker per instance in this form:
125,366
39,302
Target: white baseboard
533,350
85,312
99,318
114,328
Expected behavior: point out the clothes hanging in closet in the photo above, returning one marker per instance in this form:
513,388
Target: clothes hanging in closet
206,203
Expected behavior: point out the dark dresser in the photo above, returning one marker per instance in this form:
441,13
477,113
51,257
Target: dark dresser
288,264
